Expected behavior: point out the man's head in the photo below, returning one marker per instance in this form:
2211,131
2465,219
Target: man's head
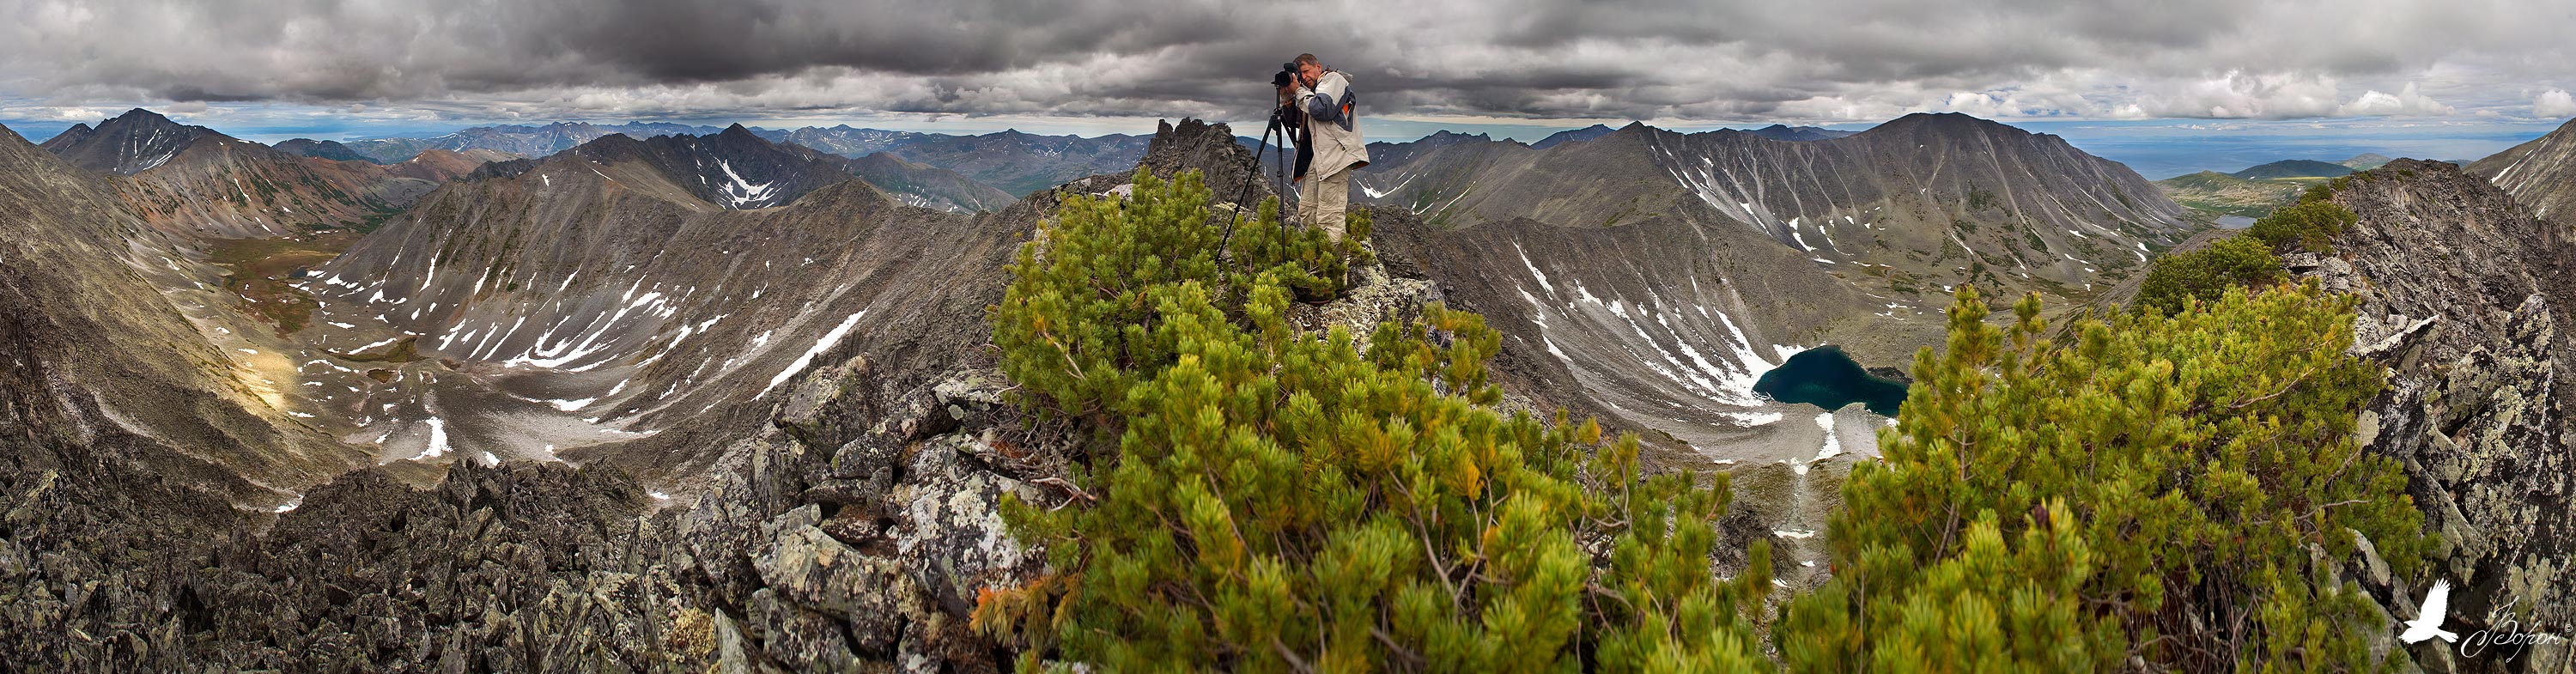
1309,69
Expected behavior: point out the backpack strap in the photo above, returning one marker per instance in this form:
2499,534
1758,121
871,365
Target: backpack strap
1349,104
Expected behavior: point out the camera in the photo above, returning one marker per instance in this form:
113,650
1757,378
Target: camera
1287,73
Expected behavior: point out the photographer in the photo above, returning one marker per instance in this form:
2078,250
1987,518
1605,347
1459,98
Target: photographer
1323,96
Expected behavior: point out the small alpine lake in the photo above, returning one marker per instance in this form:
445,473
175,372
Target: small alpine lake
1826,377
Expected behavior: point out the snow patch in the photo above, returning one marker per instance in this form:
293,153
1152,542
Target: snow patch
437,440
742,192
828,341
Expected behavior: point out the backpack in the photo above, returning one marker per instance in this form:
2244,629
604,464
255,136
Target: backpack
1340,110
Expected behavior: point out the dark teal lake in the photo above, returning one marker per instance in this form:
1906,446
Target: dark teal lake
1826,377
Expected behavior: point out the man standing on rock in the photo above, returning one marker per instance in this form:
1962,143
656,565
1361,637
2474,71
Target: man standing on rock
1325,96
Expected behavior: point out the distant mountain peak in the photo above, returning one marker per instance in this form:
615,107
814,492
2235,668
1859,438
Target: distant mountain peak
140,114
1947,120
320,149
1447,137
1573,136
127,144
734,169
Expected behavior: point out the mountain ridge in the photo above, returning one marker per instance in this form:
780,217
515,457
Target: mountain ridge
2537,172
199,181
1013,161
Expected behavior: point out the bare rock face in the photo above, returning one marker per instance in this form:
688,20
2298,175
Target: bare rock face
2461,293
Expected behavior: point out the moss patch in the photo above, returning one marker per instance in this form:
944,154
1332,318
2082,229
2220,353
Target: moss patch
258,271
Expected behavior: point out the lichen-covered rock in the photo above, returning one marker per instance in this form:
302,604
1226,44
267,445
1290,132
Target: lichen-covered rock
813,570
813,411
791,633
2461,292
880,554
949,524
1374,296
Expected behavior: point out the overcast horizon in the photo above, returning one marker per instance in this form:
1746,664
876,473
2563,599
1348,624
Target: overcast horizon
2165,87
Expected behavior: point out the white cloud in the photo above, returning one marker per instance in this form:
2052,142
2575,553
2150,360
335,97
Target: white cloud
1811,61
2407,102
2553,104
2240,94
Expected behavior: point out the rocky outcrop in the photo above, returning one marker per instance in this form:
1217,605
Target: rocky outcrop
1224,165
866,556
2463,299
864,526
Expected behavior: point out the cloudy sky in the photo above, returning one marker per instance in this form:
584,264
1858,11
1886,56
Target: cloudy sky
343,68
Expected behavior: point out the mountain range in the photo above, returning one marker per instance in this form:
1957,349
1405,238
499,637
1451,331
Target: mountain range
669,397
195,179
625,287
1652,277
615,295
1016,163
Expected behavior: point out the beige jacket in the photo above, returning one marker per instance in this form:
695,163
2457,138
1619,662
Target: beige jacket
1331,127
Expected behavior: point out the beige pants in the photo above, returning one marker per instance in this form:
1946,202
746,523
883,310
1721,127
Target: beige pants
1324,199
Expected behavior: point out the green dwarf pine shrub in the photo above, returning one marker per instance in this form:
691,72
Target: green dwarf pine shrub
2177,280
2168,493
1078,324
2247,259
2307,225
1281,501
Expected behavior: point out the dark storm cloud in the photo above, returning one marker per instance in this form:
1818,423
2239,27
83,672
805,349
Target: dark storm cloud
1535,58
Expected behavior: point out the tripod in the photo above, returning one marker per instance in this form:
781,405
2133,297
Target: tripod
1278,127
